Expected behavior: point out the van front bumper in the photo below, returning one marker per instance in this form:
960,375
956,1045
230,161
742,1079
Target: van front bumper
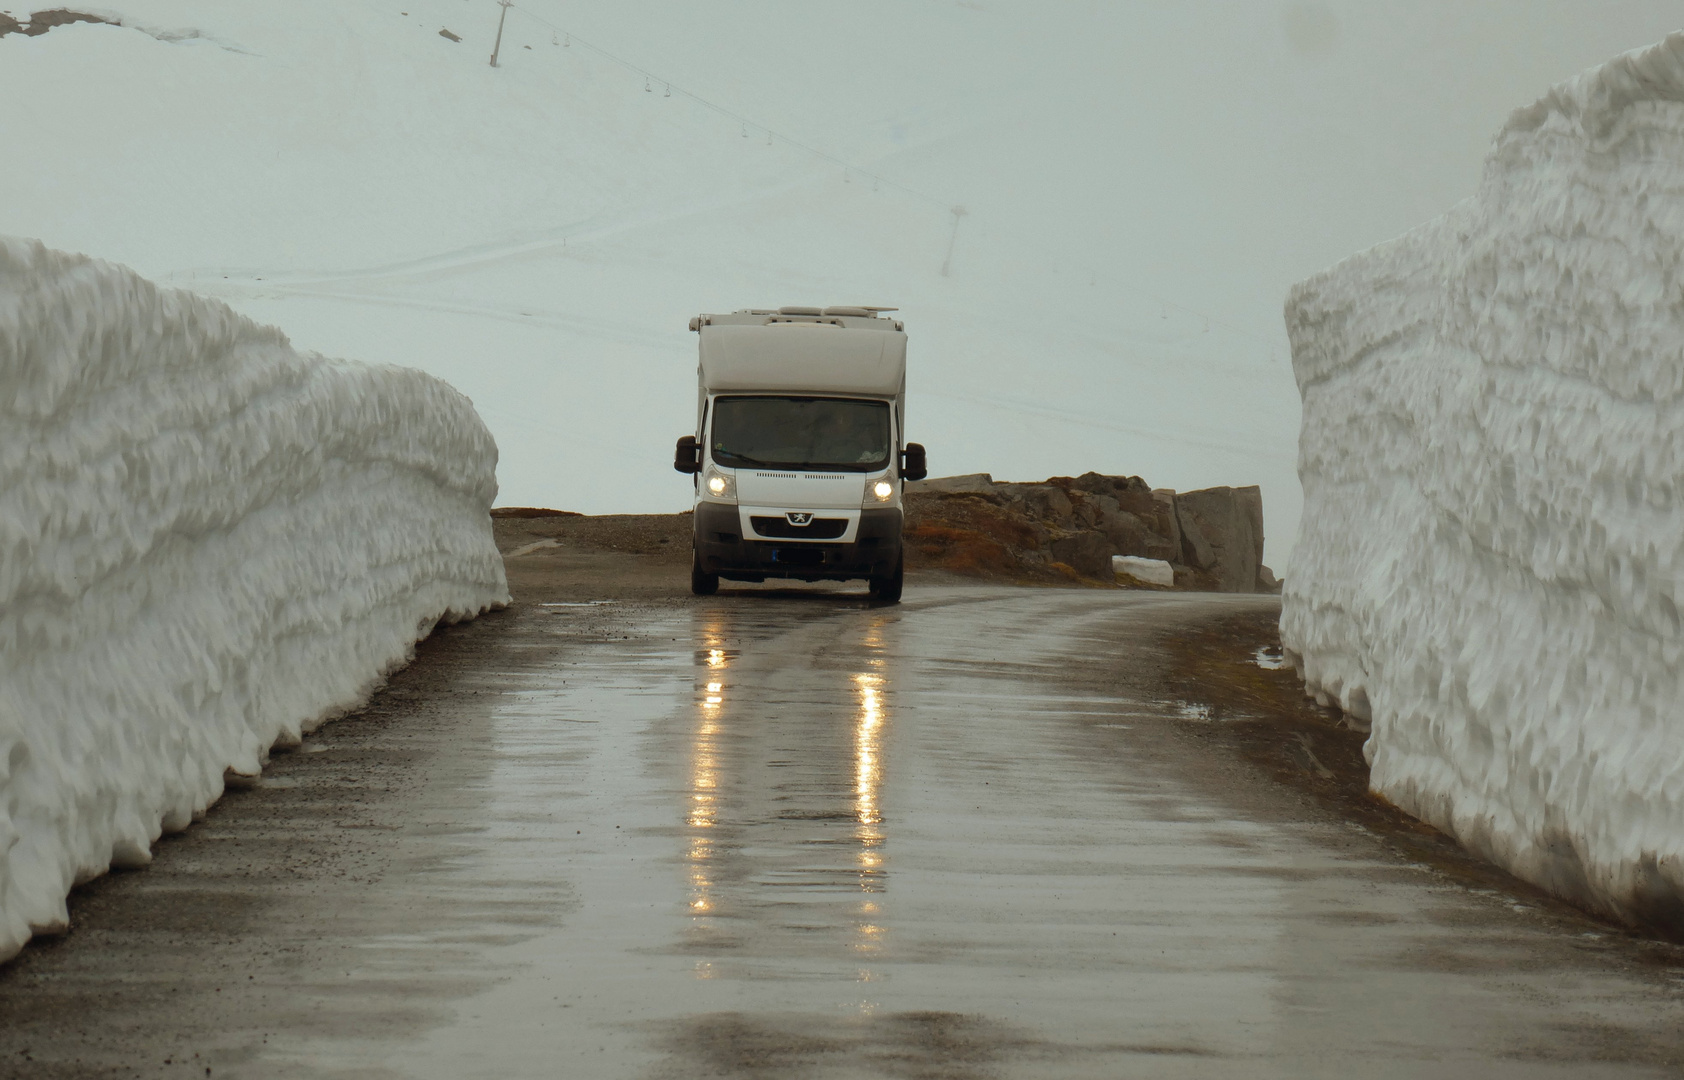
721,549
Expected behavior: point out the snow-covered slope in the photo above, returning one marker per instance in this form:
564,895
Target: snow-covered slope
1491,562
208,544
539,234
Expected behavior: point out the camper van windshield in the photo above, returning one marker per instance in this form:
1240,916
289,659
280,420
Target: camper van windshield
801,433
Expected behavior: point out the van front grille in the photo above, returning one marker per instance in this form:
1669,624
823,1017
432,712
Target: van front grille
818,529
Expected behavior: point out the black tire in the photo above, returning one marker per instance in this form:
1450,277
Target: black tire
702,583
887,589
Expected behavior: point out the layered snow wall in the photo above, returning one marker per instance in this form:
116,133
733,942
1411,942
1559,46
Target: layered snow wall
1491,560
209,543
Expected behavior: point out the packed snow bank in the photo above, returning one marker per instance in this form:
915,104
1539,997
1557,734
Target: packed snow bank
208,544
1491,560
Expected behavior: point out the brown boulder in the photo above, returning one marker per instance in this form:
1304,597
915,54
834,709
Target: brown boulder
1087,552
1128,535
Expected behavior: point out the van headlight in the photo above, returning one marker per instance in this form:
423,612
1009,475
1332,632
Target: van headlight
879,491
719,486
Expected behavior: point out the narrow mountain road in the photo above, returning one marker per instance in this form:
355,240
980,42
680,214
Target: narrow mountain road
783,834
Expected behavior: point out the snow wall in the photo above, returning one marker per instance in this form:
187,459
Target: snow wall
208,545
1491,560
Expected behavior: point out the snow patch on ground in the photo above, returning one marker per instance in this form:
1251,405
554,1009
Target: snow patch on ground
1491,560
209,543
1152,571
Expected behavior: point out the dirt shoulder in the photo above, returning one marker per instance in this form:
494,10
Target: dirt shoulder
552,556
1252,712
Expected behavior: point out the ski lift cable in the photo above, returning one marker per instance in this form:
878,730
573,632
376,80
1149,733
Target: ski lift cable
877,179
730,114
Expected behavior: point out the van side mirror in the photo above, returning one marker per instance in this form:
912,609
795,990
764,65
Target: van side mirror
688,457
912,465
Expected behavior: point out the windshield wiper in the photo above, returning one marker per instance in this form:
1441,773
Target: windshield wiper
746,460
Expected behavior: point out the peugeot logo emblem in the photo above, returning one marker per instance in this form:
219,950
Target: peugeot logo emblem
798,517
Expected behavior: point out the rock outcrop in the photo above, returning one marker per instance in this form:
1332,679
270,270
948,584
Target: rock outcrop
1222,534
1071,527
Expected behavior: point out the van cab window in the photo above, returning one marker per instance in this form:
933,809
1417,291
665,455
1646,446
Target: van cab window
800,433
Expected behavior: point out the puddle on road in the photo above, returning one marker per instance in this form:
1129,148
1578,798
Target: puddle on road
1192,710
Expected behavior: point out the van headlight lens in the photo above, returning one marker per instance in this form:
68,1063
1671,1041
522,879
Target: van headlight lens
879,491
720,486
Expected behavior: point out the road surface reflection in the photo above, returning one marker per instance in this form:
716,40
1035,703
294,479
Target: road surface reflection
784,829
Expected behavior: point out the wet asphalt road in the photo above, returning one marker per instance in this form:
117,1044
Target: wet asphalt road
803,836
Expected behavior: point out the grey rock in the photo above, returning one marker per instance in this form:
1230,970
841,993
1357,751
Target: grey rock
1059,503
1164,502
1088,510
1222,534
1156,509
1087,552
1129,535
1196,549
1043,502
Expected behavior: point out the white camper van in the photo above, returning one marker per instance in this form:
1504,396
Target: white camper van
800,451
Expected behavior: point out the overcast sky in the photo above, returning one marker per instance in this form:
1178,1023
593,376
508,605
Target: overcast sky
1142,183
1210,153
1221,149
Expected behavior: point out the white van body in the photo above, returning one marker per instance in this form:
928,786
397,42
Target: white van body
791,516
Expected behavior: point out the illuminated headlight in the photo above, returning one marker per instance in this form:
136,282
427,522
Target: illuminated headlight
721,486
879,491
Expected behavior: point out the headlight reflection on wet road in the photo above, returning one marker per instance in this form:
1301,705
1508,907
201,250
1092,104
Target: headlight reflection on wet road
871,715
784,788
868,782
868,775
704,772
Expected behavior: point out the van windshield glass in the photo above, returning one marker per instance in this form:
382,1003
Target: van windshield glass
801,433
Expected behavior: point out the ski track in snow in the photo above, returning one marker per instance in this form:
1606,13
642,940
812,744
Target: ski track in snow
209,544
1490,565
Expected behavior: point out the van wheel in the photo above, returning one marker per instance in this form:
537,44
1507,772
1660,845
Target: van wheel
887,589
702,583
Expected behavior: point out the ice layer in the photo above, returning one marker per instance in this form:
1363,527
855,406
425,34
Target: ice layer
1491,559
209,543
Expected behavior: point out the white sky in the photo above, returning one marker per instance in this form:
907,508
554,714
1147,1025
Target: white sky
1143,182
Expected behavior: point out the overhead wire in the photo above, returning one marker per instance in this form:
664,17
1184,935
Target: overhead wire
675,90
878,180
